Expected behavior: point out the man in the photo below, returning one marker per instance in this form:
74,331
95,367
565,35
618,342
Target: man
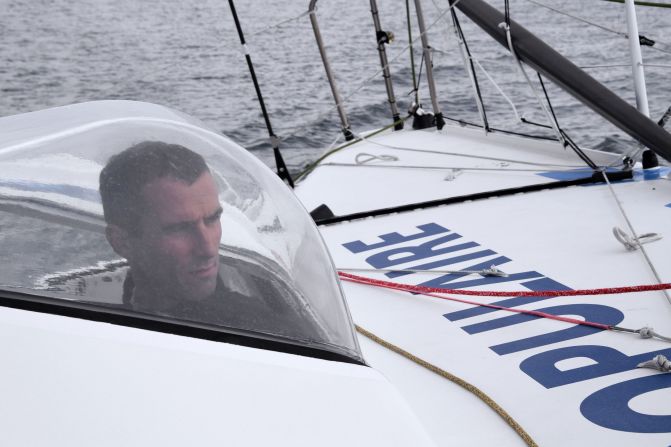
163,214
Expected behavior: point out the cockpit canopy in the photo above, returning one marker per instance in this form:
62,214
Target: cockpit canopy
240,252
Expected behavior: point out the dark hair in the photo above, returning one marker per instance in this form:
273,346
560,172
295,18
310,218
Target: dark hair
126,173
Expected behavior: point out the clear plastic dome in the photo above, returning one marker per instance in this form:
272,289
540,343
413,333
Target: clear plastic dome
194,228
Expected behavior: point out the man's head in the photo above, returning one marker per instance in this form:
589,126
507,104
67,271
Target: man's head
163,215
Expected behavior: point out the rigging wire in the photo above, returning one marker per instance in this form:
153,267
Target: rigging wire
496,86
518,63
457,154
563,138
468,60
644,40
507,13
280,24
439,168
635,235
438,292
567,139
415,85
641,3
374,77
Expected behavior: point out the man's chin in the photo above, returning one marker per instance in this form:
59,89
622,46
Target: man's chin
201,290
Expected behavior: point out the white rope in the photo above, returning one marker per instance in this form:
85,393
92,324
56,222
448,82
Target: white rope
659,362
553,123
632,243
362,158
633,232
496,86
335,141
648,332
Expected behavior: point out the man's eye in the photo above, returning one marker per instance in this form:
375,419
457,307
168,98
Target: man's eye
214,217
177,228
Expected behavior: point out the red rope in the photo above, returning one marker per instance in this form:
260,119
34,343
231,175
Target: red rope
545,293
411,288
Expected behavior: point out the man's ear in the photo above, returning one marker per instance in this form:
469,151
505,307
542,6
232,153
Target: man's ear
119,239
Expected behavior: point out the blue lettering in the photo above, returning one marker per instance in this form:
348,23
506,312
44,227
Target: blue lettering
413,253
609,407
446,261
446,280
592,312
429,229
541,367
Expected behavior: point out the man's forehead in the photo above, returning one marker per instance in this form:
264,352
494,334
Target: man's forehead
175,199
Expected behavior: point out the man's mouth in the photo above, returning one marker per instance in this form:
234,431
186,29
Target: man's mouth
207,270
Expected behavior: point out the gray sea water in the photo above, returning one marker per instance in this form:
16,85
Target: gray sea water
186,55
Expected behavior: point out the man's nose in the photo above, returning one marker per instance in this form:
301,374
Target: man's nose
206,242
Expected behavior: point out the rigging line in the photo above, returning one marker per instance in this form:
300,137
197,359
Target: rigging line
470,68
312,166
641,3
402,51
583,156
280,23
405,288
485,272
507,13
635,235
464,123
516,60
584,67
419,75
528,440
512,294
580,19
644,332
438,168
498,88
415,87
335,141
479,157
567,139
604,28
377,73
632,155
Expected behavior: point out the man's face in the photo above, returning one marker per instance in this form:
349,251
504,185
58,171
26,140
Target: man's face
176,250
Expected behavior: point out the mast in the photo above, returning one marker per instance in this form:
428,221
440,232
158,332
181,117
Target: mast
545,60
